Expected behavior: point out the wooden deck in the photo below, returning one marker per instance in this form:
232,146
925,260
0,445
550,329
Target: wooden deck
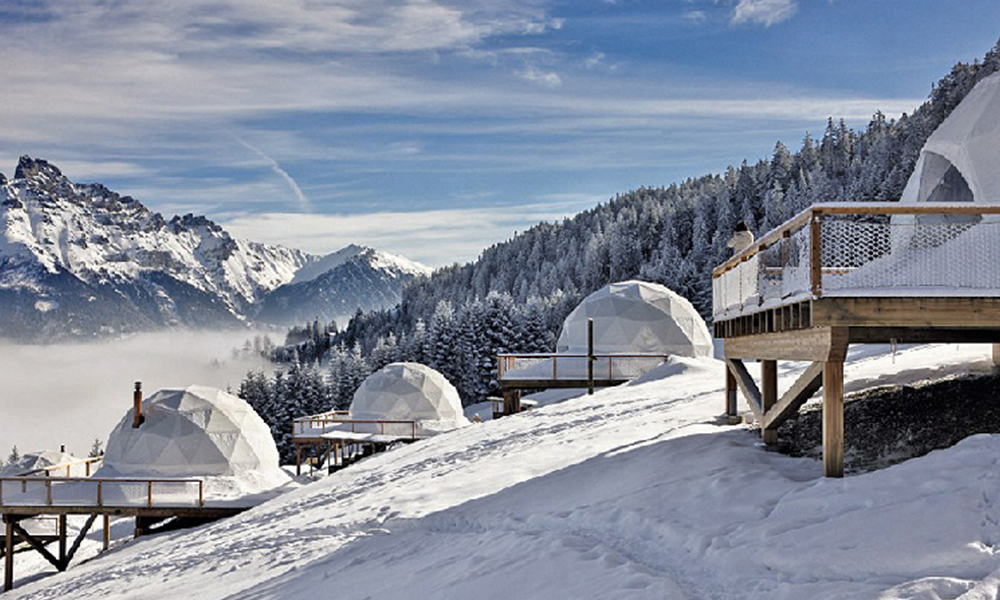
24,501
838,275
335,440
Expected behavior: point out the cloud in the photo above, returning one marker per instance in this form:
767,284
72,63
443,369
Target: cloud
300,197
535,75
433,237
695,16
763,12
594,60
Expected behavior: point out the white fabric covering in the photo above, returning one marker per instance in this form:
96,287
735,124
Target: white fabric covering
636,317
959,161
410,392
197,432
32,461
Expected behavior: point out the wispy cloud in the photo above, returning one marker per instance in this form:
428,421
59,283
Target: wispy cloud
763,12
695,16
300,197
434,237
536,75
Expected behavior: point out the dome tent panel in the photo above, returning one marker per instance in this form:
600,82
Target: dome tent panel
636,317
409,392
195,432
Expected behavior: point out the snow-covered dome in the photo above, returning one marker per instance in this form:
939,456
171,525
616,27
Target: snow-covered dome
636,317
409,392
959,161
30,462
195,432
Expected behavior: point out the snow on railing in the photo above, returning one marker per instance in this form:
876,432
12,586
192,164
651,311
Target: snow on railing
865,249
557,367
89,491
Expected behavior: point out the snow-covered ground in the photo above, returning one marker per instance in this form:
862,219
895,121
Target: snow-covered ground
634,492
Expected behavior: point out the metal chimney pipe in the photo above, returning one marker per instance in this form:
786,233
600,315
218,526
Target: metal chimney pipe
138,417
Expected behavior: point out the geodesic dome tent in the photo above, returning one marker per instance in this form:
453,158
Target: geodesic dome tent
959,161
409,392
636,317
194,432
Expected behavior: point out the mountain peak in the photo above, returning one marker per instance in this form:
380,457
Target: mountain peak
28,168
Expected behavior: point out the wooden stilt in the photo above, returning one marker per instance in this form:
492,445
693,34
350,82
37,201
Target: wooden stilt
996,354
833,419
8,557
768,397
106,534
298,459
62,538
731,399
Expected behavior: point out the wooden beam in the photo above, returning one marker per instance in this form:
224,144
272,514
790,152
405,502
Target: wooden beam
106,533
76,543
833,418
804,387
924,335
62,539
927,313
815,256
813,344
36,544
769,397
746,385
996,354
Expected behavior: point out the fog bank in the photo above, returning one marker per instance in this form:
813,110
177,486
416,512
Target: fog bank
73,393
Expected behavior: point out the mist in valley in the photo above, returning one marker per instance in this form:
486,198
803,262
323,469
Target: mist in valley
73,393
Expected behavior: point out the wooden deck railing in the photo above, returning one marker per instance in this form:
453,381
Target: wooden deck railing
89,491
609,366
67,468
318,425
864,249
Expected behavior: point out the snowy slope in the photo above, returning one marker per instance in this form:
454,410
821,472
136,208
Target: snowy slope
79,259
635,492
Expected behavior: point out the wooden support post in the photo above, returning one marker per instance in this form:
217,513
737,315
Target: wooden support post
815,256
106,533
731,407
62,538
590,357
768,397
8,556
298,459
996,355
833,419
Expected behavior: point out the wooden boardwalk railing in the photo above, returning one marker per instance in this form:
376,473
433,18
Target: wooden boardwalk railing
105,492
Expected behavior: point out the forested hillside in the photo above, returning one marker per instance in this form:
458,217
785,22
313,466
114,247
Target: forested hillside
514,297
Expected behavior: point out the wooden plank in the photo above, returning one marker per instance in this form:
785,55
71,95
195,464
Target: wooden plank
769,397
888,208
923,312
813,344
746,385
804,387
833,418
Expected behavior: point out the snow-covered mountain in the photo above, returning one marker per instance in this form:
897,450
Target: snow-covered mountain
337,285
82,260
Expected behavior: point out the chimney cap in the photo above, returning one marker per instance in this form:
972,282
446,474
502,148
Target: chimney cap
138,386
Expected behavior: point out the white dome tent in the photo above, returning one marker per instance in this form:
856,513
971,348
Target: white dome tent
633,317
409,392
959,161
196,432
37,462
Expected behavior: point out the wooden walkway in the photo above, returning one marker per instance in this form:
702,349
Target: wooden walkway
844,274
27,501
335,440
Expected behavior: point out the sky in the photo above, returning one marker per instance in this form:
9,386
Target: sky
434,128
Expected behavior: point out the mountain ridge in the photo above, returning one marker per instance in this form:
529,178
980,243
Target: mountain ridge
80,260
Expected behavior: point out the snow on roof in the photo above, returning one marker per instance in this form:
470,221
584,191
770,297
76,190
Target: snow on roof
408,391
636,317
196,432
959,160
33,461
